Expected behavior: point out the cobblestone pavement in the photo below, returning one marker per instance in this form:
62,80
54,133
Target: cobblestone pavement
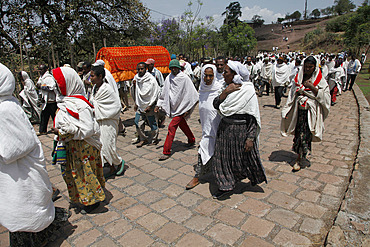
149,205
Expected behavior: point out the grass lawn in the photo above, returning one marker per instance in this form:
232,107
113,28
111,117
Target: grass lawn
363,80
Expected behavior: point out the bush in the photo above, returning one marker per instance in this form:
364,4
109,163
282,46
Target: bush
338,24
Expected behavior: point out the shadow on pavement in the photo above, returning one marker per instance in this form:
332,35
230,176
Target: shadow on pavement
283,155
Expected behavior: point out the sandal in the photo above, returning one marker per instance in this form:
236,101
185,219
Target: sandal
296,167
121,169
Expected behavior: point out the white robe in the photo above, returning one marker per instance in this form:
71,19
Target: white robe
318,106
107,109
209,117
25,188
146,91
29,94
178,96
280,75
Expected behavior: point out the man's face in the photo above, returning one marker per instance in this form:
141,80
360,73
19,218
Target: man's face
141,69
150,67
249,60
85,69
181,57
208,76
174,70
220,65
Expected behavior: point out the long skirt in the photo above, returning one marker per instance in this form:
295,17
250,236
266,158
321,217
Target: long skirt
302,135
231,163
38,239
108,138
83,173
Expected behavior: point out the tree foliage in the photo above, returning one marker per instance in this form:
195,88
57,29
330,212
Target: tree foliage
357,30
257,20
233,12
315,13
66,22
343,6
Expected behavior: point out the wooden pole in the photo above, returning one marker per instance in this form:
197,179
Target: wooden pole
105,42
53,55
94,51
71,52
29,61
20,49
57,55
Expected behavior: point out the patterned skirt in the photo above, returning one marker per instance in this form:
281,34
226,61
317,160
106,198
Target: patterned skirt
231,163
39,239
302,135
83,173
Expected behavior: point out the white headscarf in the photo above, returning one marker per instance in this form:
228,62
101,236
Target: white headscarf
108,76
209,118
242,73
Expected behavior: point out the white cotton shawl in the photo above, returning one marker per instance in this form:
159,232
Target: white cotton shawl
280,74
106,103
242,73
82,126
29,93
209,117
25,187
146,91
220,78
318,106
335,77
178,96
108,76
243,101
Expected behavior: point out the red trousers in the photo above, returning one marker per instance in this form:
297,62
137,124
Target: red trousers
333,93
178,121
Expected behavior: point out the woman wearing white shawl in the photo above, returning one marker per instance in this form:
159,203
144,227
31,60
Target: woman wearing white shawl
236,155
29,97
280,77
209,119
306,109
146,95
26,207
178,100
107,110
76,127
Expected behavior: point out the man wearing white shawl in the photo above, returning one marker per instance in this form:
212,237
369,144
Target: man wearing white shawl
29,96
236,155
26,206
107,110
49,106
209,119
77,129
146,95
178,100
306,109
280,76
220,65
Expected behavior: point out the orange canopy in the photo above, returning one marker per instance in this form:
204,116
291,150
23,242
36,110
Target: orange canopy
122,61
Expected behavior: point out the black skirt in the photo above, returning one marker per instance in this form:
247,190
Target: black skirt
231,163
302,135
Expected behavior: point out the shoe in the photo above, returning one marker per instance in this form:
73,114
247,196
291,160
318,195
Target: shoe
194,182
220,193
122,169
190,144
89,209
56,192
142,143
154,142
164,157
135,140
277,106
41,133
296,167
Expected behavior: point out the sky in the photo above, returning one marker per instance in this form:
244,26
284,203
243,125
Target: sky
270,10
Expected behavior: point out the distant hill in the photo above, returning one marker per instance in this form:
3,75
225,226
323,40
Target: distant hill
267,38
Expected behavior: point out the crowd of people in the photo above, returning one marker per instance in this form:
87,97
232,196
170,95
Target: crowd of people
86,104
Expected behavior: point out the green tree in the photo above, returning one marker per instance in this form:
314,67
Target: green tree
257,20
232,13
328,11
280,19
343,6
296,15
357,33
240,39
315,13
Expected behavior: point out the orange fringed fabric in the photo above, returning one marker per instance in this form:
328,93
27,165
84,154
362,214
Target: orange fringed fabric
122,61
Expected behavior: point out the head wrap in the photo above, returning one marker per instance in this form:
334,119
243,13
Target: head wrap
215,86
99,62
242,73
68,81
150,61
24,75
7,81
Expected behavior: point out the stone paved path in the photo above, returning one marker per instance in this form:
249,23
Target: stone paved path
149,206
